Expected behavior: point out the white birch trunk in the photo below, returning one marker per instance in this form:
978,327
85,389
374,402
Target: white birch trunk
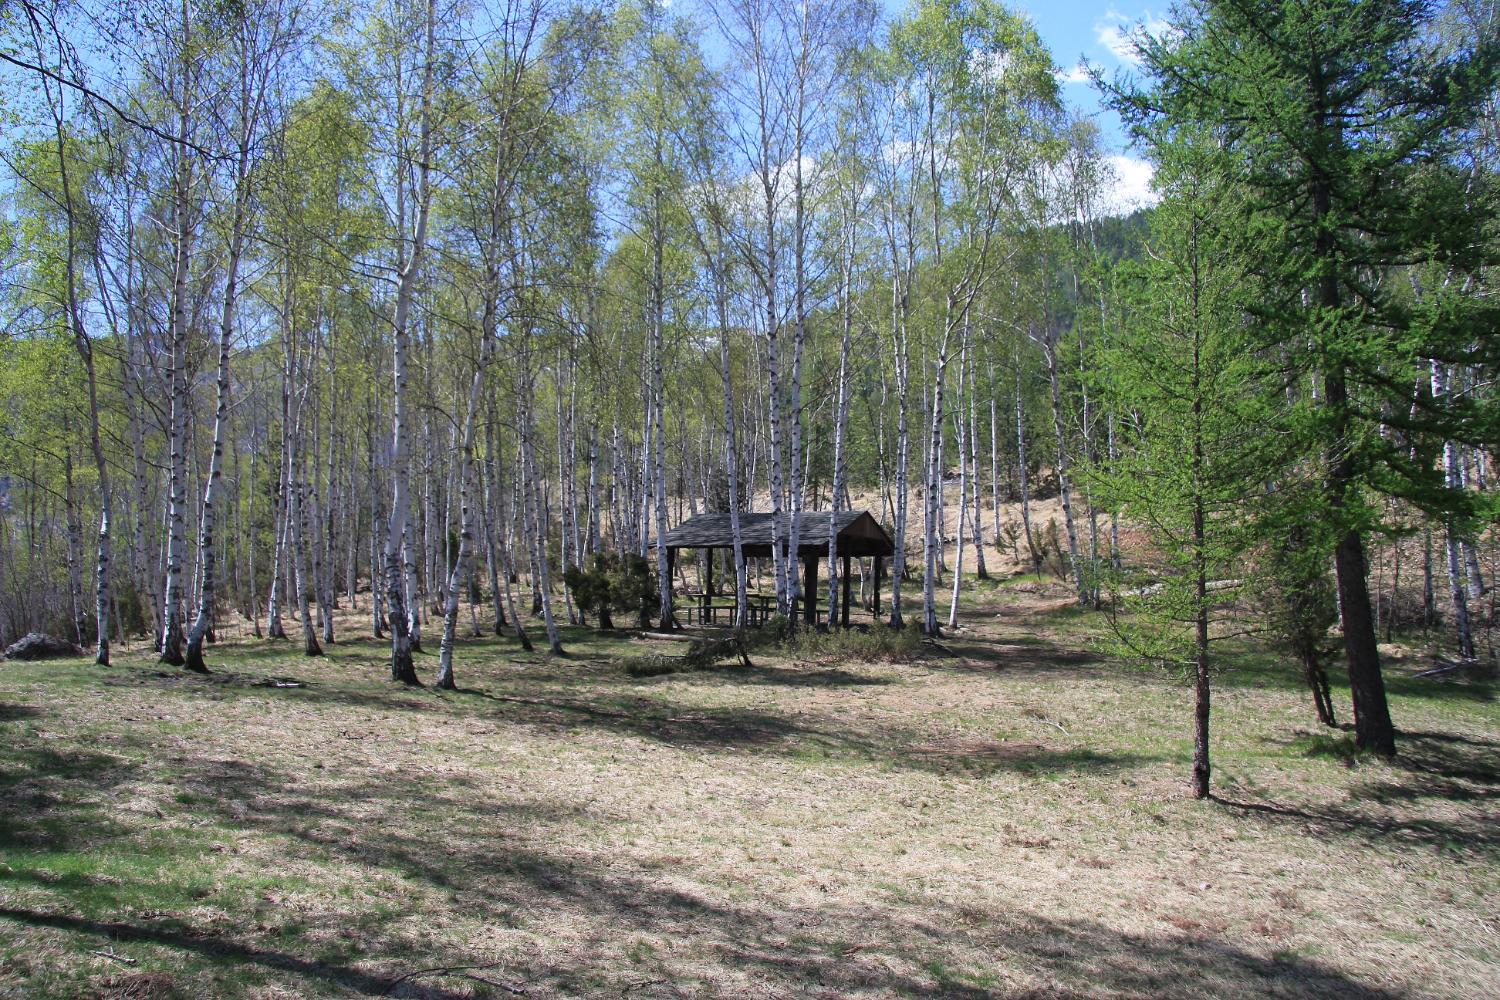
1063,483
85,348
402,668
1454,479
237,225
538,533
841,417
963,478
1024,475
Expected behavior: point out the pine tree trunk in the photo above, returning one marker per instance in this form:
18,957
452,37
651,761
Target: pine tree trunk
1374,730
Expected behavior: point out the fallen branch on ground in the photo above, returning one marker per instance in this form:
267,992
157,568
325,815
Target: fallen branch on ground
459,972
1447,666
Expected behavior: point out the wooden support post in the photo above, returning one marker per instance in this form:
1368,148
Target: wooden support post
844,611
810,591
879,561
668,622
708,585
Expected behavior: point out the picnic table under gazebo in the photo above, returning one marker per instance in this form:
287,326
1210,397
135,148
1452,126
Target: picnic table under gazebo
857,535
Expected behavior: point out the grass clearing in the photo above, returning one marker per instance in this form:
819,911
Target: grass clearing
1009,820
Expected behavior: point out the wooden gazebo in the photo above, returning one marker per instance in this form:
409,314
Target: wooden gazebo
857,535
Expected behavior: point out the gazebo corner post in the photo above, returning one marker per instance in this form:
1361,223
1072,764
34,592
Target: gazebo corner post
810,591
875,587
669,621
708,589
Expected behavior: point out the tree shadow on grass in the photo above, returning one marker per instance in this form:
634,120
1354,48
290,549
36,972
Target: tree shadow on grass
1252,667
931,949
218,948
17,713
1024,656
1452,756
1435,794
48,798
790,677
485,856
1403,684
723,730
750,730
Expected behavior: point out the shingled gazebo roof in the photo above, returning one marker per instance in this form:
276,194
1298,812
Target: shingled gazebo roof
859,534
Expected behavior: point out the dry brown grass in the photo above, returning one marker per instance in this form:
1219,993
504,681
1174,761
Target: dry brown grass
1010,821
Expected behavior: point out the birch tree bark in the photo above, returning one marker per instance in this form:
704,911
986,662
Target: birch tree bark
414,243
255,67
1065,489
84,345
1453,475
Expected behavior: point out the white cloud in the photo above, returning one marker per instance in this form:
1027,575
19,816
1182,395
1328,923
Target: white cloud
1131,188
1113,38
1121,35
1078,74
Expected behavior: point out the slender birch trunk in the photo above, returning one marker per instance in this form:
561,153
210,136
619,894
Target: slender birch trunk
182,249
302,584
731,450
1063,483
402,668
1024,476
1454,479
508,549
237,225
657,444
976,518
539,533
85,348
933,493
841,415
963,475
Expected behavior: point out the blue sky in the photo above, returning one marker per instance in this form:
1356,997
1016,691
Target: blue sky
1077,30
1099,31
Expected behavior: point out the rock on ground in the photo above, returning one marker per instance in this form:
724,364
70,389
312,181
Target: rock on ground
37,646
